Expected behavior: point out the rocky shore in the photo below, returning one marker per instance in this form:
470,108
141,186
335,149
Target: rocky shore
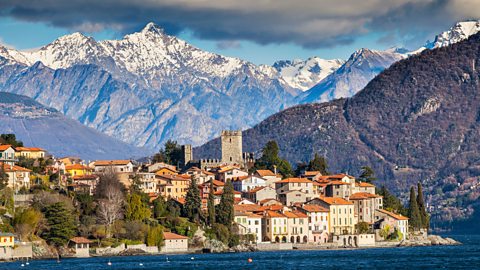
430,240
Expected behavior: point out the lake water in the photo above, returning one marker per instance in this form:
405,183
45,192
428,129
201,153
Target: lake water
438,257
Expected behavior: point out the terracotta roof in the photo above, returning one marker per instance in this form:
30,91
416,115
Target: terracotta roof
274,214
227,168
314,208
247,207
171,177
240,178
31,149
311,173
253,190
251,215
111,162
362,196
267,200
4,147
275,207
217,183
294,214
393,215
336,182
220,192
335,201
80,240
263,173
294,180
76,167
173,236
364,184
300,214
14,168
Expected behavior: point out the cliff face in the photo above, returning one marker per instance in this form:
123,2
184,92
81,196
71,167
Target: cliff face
417,121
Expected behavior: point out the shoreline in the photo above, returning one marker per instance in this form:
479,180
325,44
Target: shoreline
431,240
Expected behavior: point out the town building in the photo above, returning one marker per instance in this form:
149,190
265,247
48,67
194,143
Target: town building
318,222
260,193
148,182
269,176
117,166
297,226
386,218
30,152
173,186
274,227
365,205
152,168
229,172
85,183
247,183
7,154
77,170
341,214
291,197
81,245
231,141
174,243
298,184
201,176
18,177
7,242
249,223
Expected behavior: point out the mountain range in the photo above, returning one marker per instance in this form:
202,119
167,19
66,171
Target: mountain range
40,126
417,121
149,87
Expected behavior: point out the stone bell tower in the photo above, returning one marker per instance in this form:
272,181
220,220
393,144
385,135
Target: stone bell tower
232,147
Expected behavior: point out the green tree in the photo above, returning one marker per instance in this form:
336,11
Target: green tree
155,236
61,224
270,160
193,203
421,207
3,176
363,227
367,175
10,139
225,211
390,202
26,222
159,207
413,211
211,206
318,163
136,209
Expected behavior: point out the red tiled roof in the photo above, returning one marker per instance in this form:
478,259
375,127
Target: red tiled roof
14,168
335,201
314,208
173,236
111,162
294,180
247,207
80,240
311,173
76,167
31,149
263,173
253,190
4,147
274,214
393,215
364,184
362,196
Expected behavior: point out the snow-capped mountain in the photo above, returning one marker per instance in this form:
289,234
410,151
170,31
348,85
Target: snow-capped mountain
460,31
147,87
304,74
362,66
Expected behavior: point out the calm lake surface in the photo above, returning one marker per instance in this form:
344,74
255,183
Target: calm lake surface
439,257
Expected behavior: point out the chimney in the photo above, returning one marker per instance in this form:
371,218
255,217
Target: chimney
275,169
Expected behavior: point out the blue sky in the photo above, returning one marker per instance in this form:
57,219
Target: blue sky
259,31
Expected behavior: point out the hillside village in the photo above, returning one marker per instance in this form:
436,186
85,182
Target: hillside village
172,203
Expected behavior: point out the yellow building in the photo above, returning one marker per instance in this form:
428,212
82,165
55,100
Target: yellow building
274,228
166,171
342,218
7,240
173,186
77,170
30,152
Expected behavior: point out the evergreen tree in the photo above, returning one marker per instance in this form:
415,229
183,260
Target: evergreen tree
10,139
159,207
211,205
270,160
225,211
367,175
61,224
193,202
301,167
3,176
136,209
421,207
318,163
413,211
390,202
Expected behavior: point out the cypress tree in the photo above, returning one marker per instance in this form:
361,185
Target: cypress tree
318,163
225,211
211,206
3,176
413,211
421,207
367,175
61,224
193,202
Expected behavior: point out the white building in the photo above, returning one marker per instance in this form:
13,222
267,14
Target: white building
318,223
174,243
245,184
249,223
394,221
117,166
18,177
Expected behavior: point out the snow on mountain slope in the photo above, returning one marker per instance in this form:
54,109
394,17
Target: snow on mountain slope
304,75
147,87
459,32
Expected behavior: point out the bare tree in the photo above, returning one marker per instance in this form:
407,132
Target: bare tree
110,197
